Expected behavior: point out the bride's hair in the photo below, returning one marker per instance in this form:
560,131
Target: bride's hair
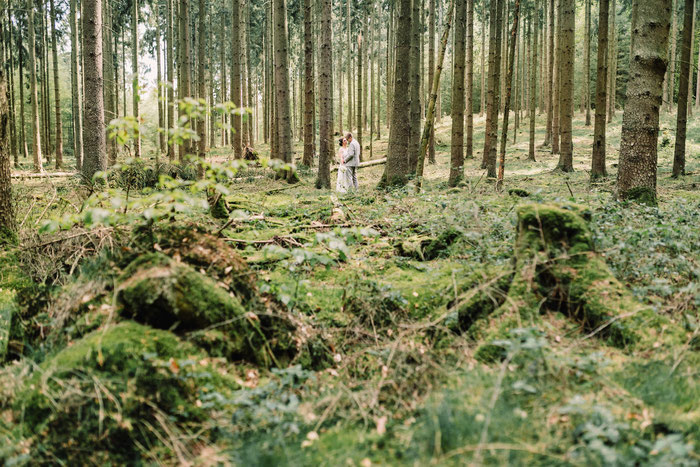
340,141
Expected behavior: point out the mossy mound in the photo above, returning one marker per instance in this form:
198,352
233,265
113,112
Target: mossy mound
168,294
375,305
117,391
557,269
484,294
427,248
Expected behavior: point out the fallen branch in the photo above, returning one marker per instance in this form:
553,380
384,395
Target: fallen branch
44,175
366,164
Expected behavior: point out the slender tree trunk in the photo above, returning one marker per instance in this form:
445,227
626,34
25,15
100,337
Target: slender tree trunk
282,114
358,91
459,52
551,83
249,86
159,84
94,133
533,82
612,57
697,85
469,154
15,144
682,115
431,70
491,94
242,30
202,84
414,141
44,97
587,63
556,80
135,71
493,130
236,78
567,54
348,64
636,178
483,54
325,89
509,88
36,142
309,97
397,169
8,225
57,94
669,79
598,168
430,118
108,76
690,59
23,126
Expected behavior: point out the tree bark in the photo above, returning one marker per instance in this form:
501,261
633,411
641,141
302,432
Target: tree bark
671,72
469,154
567,53
36,141
236,139
491,93
309,97
483,54
8,225
415,71
434,89
431,70
509,89
108,75
159,84
682,115
550,76
57,94
587,63
457,141
94,133
396,169
612,57
171,79
493,128
184,82
202,84
556,80
325,89
636,178
135,70
282,115
533,83
598,168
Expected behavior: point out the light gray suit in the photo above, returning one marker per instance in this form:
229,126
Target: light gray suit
352,160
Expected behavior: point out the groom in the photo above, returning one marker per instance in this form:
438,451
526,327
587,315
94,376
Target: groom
352,159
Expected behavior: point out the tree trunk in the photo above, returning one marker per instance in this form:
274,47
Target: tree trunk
414,89
159,84
202,84
358,91
509,88
598,168
242,30
550,76
57,94
459,52
171,79
325,89
493,129
135,71
348,64
470,80
236,139
483,54
431,70
682,115
636,178
533,83
491,94
249,86
697,85
8,225
396,169
285,151
690,59
556,80
612,56
587,63
108,76
567,54
430,118
309,97
94,132
15,144
184,82
670,81
36,141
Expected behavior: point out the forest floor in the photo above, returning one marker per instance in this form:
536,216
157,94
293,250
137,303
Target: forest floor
379,278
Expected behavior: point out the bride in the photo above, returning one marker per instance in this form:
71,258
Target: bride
343,183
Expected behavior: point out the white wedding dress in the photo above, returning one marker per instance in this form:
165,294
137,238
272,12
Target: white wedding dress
342,183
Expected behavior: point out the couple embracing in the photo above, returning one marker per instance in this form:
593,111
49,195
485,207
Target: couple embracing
349,159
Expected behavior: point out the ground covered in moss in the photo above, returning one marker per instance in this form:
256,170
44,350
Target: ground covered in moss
547,324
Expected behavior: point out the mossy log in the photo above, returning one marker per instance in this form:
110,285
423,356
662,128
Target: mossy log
168,294
557,269
116,390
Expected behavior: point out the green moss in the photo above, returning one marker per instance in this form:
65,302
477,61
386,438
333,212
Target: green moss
641,194
111,390
482,297
427,248
170,295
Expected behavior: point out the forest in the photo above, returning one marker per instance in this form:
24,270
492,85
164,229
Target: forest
350,232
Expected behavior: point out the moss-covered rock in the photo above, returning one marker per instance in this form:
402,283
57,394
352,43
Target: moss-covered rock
168,294
116,391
